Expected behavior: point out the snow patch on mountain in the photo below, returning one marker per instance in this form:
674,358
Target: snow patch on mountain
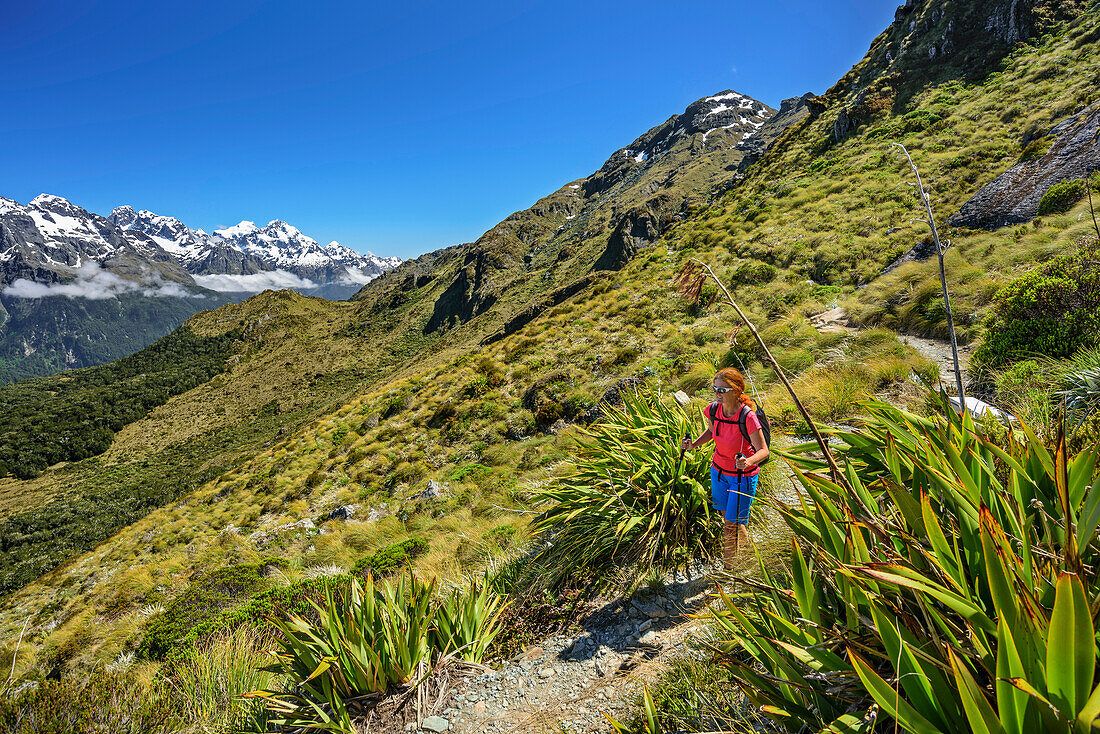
241,229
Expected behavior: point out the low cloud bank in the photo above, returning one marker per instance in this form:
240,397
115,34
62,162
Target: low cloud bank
96,284
253,283
355,276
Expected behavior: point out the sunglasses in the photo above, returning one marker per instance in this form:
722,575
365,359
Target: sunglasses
722,390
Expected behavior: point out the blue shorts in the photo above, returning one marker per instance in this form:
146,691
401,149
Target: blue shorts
732,495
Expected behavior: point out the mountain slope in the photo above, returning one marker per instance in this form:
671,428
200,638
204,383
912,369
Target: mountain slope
564,240
387,326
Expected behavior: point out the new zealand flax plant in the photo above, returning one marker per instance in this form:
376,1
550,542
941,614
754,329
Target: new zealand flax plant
630,499
953,589
369,639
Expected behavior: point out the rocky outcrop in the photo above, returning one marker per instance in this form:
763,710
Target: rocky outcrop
636,229
935,40
465,297
528,314
791,112
1014,196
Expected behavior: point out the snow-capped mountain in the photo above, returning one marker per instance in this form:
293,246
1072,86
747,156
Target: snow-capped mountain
248,250
78,289
50,240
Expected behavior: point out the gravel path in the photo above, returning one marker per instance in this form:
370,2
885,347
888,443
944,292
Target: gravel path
569,682
939,351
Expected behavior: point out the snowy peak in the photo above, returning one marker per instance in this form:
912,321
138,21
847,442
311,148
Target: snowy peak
8,205
243,229
50,234
245,251
51,240
168,232
728,110
722,121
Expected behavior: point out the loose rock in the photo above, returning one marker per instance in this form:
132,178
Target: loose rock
435,723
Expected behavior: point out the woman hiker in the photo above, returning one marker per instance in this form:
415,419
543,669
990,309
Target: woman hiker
735,464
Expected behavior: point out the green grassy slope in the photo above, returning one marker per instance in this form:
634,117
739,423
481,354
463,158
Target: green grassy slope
839,211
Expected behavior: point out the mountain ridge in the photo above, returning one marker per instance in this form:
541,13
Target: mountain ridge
78,289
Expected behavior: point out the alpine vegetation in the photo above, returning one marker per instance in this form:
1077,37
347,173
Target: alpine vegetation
631,500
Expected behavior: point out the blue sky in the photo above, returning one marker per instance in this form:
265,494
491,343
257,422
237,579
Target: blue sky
395,127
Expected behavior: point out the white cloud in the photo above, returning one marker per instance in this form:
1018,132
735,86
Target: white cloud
96,284
355,276
253,283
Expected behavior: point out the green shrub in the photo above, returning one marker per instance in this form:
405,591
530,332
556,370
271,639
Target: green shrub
466,621
206,596
1061,197
259,611
120,704
1053,310
1081,386
960,537
392,558
752,272
1037,148
369,638
624,356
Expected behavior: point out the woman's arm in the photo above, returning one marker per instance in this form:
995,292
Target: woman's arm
756,439
689,444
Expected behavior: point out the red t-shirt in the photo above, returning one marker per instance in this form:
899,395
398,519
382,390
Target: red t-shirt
728,441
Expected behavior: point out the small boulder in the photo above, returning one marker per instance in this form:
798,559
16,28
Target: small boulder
435,723
343,512
434,490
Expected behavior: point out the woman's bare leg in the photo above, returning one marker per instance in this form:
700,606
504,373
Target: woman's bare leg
729,544
742,541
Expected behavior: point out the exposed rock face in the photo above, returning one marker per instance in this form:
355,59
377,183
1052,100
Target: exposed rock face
935,40
1014,196
638,228
465,296
791,112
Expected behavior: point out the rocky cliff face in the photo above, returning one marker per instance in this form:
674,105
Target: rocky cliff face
1014,196
935,40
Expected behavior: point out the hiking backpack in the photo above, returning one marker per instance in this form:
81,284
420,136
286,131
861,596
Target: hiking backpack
742,423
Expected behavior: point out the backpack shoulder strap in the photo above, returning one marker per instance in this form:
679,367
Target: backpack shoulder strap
713,412
743,423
